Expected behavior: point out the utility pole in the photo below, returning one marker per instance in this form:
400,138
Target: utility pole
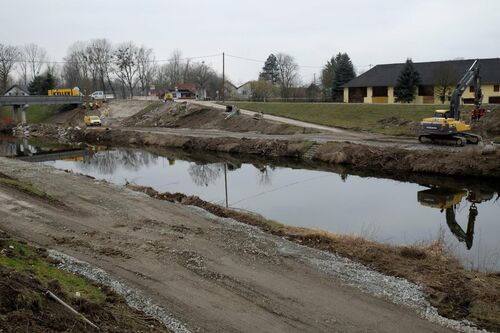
223,77
225,182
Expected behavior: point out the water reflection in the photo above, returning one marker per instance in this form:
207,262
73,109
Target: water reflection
339,200
205,174
446,199
107,162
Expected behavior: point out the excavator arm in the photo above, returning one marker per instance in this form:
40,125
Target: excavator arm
471,76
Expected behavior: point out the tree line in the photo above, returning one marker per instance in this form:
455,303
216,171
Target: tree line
127,69
124,69
279,78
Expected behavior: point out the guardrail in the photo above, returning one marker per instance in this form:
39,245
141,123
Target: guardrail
23,100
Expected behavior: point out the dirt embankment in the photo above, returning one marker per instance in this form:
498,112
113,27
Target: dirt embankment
454,291
474,161
470,161
26,273
185,115
211,274
489,125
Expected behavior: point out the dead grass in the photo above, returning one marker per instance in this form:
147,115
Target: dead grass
456,292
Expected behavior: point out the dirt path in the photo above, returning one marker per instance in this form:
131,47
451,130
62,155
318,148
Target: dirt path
213,276
353,137
289,121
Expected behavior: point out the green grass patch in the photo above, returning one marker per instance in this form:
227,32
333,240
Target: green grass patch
26,260
35,114
23,187
392,119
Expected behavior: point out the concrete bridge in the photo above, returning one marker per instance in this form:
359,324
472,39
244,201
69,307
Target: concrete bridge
19,103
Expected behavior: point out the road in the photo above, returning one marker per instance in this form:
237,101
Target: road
284,120
212,275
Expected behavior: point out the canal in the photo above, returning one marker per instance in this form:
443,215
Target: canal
463,214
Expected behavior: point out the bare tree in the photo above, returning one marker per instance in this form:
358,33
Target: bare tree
8,57
263,90
288,72
174,68
200,74
126,65
23,67
445,80
35,57
146,68
100,56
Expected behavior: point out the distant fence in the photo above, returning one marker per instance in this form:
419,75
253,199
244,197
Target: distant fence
285,100
146,98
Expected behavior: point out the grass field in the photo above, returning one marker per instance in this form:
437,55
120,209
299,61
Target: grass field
393,119
34,113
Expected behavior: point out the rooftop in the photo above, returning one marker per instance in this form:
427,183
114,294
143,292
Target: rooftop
387,75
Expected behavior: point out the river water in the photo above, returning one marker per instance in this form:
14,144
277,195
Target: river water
465,215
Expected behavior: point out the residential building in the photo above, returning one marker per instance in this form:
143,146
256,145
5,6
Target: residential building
17,90
377,84
245,90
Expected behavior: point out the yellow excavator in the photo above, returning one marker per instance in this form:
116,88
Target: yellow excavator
447,199
446,125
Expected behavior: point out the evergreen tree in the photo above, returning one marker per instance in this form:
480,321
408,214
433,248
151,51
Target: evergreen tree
327,77
344,72
408,81
41,84
270,71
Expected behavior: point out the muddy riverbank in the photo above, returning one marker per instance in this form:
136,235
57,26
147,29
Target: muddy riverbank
473,161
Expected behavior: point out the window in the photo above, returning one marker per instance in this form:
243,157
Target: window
496,88
379,92
425,90
471,89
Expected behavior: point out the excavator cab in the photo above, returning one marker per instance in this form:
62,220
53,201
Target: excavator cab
446,125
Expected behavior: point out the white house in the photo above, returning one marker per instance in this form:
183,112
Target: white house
244,91
16,90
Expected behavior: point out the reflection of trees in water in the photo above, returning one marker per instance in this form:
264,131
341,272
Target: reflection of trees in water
106,162
8,149
205,174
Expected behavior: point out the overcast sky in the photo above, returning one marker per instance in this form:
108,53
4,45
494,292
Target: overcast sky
371,32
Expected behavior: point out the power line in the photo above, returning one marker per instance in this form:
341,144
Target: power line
263,61
76,62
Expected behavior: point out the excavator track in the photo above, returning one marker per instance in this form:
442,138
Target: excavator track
459,139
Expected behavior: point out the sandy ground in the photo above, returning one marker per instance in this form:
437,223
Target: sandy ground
212,276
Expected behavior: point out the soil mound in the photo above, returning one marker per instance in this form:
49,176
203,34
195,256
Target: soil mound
26,274
489,125
186,115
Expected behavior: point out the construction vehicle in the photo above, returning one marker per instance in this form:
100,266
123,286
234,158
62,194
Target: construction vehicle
92,121
169,97
446,125
447,200
64,92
